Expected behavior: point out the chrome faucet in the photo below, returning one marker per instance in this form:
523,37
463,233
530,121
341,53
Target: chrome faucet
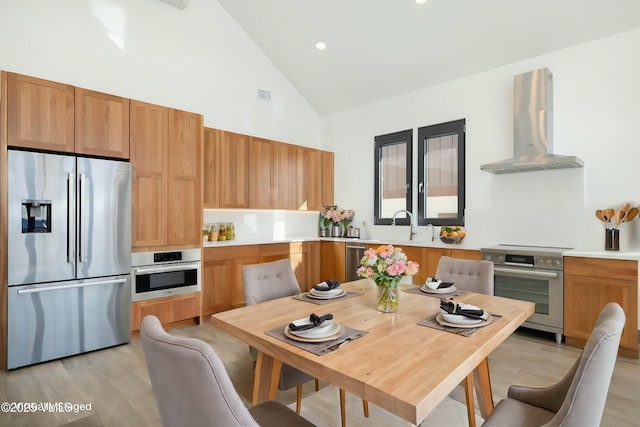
393,221
432,231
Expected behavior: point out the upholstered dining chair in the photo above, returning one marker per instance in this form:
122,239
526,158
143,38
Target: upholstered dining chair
192,386
473,276
578,399
276,279
466,274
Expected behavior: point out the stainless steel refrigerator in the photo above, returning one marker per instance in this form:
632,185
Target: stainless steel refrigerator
69,260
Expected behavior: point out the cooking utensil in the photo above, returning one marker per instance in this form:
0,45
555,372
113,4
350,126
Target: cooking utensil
600,216
618,218
608,214
626,208
633,212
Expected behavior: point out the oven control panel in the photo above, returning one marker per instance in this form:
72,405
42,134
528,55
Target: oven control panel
541,262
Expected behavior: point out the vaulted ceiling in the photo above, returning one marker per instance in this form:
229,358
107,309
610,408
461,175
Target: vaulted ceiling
377,49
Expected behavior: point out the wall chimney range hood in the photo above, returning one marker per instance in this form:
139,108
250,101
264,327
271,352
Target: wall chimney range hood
533,128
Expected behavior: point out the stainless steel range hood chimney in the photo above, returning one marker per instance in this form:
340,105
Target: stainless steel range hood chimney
533,128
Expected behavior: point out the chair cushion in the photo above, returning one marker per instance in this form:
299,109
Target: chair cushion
467,274
513,413
272,413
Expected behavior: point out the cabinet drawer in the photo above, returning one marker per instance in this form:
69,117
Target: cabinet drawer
602,268
231,252
167,310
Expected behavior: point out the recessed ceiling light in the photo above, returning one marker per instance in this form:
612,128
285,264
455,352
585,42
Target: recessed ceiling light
421,1
321,45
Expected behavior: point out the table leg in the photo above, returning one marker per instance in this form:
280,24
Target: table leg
483,388
468,394
265,383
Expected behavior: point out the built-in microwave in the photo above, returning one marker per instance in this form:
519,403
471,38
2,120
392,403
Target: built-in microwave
163,274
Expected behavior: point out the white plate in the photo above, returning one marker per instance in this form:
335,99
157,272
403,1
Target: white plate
327,328
448,290
460,319
441,320
335,291
316,296
336,329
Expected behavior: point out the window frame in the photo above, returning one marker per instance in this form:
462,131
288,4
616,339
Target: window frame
431,131
405,136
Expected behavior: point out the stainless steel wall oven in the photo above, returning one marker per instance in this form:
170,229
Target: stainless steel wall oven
532,273
162,274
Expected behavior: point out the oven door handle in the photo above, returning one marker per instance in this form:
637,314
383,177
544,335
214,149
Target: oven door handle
166,268
527,272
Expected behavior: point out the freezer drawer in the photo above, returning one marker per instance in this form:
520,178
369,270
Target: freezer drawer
54,320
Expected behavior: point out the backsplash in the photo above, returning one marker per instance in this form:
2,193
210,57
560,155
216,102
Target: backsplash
251,224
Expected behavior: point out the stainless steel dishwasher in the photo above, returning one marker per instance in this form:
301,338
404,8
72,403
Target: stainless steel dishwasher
353,255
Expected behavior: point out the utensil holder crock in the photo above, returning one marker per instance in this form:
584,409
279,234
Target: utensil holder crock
612,239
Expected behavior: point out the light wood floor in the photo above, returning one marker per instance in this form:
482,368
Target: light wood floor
116,383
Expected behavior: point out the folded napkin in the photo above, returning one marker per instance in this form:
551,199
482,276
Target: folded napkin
433,283
327,285
315,321
463,309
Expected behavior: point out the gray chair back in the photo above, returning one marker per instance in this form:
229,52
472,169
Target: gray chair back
267,281
190,382
584,402
466,274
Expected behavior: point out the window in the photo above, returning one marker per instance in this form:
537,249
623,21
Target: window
393,177
441,174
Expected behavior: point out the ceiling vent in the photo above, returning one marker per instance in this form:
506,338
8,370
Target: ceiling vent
180,4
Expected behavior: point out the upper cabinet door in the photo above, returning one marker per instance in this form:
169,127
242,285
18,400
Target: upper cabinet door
102,124
234,170
260,166
211,166
311,187
40,114
184,203
327,178
149,145
284,176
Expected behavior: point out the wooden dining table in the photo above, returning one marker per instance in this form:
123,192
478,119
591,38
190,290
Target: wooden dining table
399,365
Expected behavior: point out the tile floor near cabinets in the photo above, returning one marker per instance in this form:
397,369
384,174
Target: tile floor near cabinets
116,384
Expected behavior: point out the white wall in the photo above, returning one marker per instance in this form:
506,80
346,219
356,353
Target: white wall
596,116
196,59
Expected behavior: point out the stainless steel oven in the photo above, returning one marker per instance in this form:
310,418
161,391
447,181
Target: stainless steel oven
532,273
166,273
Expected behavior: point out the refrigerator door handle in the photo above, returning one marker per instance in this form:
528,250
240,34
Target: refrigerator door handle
71,286
82,231
70,207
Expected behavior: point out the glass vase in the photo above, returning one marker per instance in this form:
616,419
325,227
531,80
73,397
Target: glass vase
388,293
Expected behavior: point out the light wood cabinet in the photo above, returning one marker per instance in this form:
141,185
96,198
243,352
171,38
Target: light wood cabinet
211,166
40,114
242,171
101,124
466,254
172,311
304,257
261,173
234,170
332,258
327,178
591,283
284,176
149,149
222,276
166,156
184,203
309,176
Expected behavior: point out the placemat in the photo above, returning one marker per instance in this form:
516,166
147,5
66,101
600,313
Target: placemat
416,290
319,348
303,297
431,322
